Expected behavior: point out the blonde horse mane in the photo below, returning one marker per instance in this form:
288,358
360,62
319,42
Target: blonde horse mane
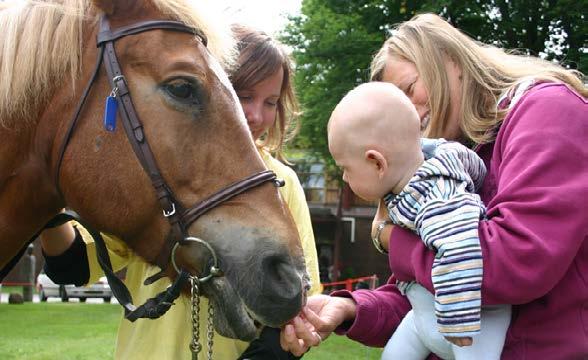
42,44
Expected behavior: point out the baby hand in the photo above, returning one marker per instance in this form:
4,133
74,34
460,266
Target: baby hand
459,341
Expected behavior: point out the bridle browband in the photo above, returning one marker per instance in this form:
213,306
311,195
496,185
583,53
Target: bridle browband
178,217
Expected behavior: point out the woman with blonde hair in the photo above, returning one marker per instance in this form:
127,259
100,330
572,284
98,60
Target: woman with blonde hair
528,121
486,73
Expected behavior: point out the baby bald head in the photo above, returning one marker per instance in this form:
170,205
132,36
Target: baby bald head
375,114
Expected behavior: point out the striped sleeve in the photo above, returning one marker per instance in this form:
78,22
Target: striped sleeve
438,205
450,227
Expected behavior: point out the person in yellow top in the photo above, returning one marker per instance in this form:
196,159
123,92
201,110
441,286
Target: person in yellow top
263,82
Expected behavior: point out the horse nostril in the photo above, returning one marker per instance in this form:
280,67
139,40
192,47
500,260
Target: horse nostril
281,274
282,287
274,266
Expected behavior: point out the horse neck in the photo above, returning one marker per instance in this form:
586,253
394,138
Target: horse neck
28,161
27,195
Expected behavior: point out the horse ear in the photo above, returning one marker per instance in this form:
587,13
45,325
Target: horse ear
107,6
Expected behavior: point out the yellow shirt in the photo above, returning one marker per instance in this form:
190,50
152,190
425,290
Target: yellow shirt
169,336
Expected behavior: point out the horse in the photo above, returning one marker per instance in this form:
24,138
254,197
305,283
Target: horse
184,140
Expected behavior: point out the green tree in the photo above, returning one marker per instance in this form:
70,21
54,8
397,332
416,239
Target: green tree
552,29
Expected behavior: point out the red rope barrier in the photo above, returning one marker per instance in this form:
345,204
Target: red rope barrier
17,284
349,282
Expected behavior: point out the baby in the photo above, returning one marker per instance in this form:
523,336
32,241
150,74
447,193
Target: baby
374,136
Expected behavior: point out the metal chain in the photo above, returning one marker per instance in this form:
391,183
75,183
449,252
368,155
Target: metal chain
195,346
210,329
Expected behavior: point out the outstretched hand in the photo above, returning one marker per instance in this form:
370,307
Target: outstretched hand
318,319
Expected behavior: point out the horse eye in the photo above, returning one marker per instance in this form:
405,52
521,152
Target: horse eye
182,90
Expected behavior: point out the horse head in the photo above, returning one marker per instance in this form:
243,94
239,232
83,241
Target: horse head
196,132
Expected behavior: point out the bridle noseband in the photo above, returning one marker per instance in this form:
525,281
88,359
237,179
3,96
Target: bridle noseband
178,217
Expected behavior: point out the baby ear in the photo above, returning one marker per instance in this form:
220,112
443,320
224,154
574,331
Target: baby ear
377,159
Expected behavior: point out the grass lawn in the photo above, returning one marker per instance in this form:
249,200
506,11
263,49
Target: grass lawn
341,348
48,331
55,330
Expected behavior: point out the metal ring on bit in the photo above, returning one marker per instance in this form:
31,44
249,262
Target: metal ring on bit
214,269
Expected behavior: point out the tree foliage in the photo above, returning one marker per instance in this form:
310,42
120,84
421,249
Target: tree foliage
553,29
333,42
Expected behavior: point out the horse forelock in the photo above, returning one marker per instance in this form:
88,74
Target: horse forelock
42,45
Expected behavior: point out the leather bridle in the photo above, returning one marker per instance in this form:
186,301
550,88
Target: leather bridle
178,217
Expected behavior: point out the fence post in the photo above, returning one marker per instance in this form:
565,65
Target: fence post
28,269
349,284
